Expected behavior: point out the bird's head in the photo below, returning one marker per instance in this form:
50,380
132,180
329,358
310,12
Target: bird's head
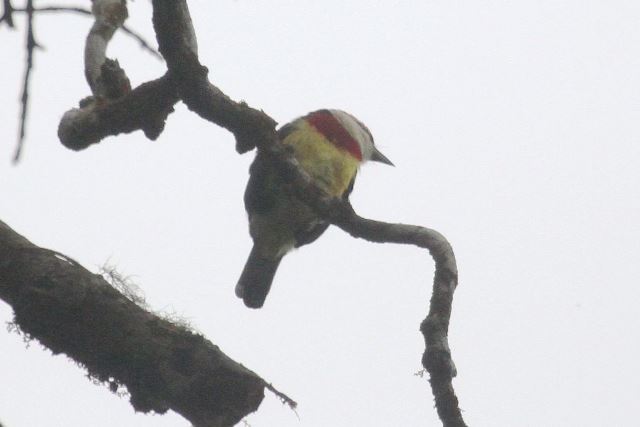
347,133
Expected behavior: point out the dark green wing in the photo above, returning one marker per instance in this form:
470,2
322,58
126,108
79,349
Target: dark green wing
305,237
264,186
259,196
349,189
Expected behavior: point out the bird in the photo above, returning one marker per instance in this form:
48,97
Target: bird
330,145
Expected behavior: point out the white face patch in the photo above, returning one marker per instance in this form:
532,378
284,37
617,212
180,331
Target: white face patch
357,130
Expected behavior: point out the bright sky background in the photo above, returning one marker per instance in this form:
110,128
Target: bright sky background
514,126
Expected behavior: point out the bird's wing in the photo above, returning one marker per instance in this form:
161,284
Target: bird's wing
310,235
264,186
349,189
261,194
304,237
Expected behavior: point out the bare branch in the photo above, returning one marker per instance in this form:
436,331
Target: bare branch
24,99
251,127
114,108
283,397
79,10
109,16
145,107
7,13
176,38
141,40
163,365
435,327
144,44
176,41
100,117
102,80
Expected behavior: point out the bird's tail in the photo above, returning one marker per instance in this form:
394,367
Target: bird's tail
256,278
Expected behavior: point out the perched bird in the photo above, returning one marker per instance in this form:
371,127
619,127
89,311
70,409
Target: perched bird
329,145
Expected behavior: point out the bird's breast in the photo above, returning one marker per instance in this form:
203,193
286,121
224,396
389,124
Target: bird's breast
331,168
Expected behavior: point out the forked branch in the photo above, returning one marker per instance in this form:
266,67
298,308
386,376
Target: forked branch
187,80
150,126
175,33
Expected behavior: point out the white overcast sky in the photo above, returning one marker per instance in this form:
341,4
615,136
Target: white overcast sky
514,126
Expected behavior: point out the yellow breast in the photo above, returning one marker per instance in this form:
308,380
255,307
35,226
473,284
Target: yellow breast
331,167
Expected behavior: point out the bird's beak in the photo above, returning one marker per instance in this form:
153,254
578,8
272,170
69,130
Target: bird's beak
377,156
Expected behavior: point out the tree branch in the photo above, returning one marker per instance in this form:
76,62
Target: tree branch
144,44
82,11
114,108
7,13
176,40
109,16
24,99
145,107
251,128
163,365
178,45
436,358
100,35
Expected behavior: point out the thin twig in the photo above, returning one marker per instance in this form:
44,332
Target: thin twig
79,10
7,15
31,45
283,397
143,43
82,11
